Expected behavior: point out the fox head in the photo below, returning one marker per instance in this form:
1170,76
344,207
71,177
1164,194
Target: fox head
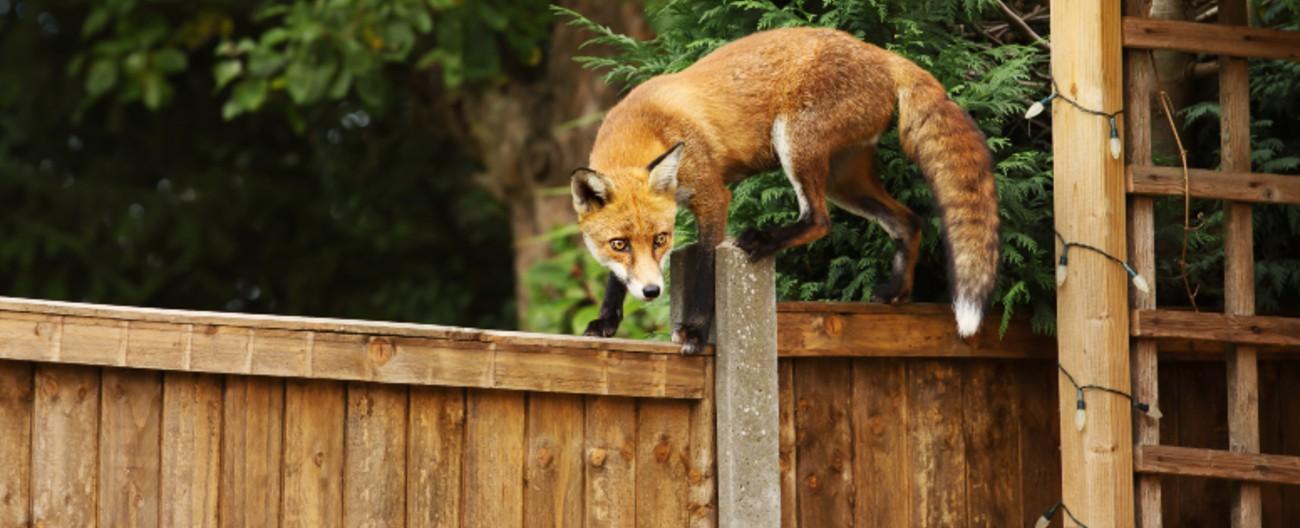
626,217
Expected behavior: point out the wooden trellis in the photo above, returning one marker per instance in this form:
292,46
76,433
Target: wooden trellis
1238,326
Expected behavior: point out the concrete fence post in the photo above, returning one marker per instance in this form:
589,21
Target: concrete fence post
745,385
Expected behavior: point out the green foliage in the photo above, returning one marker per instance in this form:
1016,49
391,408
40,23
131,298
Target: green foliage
992,82
310,51
123,182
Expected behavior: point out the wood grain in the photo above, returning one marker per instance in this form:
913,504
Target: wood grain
1241,186
662,455
789,444
553,494
313,454
1214,463
65,456
191,449
436,431
908,330
1242,329
880,469
1039,439
252,437
494,460
374,471
991,418
1089,203
16,395
825,443
129,454
1211,39
703,501
937,445
611,447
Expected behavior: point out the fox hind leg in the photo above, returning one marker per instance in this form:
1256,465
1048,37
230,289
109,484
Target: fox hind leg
806,166
856,188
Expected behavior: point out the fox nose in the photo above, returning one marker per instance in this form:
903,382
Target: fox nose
650,292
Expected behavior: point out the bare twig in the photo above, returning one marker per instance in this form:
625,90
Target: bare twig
1187,197
1023,26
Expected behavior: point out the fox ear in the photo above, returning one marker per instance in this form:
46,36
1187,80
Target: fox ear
590,190
663,170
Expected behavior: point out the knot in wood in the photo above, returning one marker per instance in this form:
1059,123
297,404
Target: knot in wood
597,457
380,350
812,482
833,325
662,450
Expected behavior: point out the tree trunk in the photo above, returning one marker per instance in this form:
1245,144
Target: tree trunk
531,134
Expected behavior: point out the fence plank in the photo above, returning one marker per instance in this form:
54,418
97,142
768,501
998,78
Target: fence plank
251,451
992,416
661,458
553,472
313,453
374,474
880,473
1289,384
1039,440
1211,39
825,453
789,461
1171,489
65,456
191,449
129,455
494,459
1217,185
938,452
437,426
703,494
16,448
611,462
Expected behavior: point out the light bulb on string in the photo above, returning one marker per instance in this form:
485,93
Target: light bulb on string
1115,146
1080,415
1039,106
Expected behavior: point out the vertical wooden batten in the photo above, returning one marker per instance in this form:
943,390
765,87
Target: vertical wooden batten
1092,314
1239,268
1140,84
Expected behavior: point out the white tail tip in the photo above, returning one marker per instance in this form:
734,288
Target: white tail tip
969,314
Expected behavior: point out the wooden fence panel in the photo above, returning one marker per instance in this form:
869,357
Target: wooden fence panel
65,453
374,476
662,452
822,390
191,449
15,443
437,427
313,454
494,460
251,453
879,416
936,442
611,445
129,455
553,494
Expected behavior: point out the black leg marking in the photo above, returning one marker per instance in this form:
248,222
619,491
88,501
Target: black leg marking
693,331
611,310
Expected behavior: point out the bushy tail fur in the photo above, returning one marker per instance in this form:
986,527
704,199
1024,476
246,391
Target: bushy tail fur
951,151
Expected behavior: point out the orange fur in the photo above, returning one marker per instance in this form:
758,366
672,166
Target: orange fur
814,102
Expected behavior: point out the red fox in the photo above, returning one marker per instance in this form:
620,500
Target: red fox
814,103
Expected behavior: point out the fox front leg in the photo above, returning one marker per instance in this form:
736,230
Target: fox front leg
611,309
697,321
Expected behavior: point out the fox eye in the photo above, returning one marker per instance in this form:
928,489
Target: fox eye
661,239
618,244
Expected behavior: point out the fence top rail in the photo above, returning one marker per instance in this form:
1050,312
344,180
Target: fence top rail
346,350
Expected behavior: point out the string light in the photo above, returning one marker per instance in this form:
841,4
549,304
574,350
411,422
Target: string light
1116,146
1061,273
1081,406
1046,519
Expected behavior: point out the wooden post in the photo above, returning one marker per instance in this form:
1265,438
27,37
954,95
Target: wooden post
1239,268
745,386
1140,83
1092,312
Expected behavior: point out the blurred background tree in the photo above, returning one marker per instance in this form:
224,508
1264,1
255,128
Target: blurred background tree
361,158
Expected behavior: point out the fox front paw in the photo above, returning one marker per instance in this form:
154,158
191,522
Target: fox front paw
600,327
889,293
755,243
691,339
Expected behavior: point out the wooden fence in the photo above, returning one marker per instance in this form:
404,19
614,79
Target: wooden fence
105,430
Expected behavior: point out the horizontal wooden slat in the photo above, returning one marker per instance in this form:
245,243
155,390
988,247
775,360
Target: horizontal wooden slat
1212,39
1219,185
344,350
1214,463
818,329
1243,329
